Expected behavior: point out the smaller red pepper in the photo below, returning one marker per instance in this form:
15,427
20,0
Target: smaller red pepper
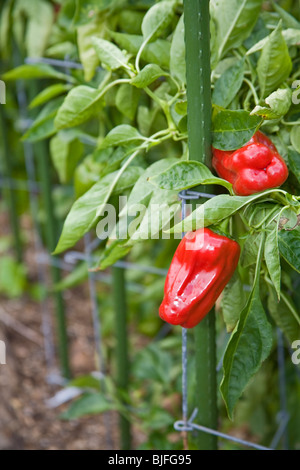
201,267
253,168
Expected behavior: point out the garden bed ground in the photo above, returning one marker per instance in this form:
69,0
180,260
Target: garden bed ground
26,422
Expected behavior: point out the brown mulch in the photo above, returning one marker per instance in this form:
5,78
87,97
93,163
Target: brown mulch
26,422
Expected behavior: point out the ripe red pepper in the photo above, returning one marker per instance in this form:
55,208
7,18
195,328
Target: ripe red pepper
201,267
254,167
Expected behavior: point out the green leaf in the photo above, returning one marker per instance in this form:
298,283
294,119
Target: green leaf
295,138
177,53
87,53
112,253
122,135
40,17
249,345
157,52
294,162
83,214
228,85
80,104
250,249
143,193
289,246
288,20
278,104
233,129
12,277
234,20
184,175
127,100
285,314
49,93
76,277
272,258
157,19
181,107
274,65
65,153
43,127
214,210
291,37
109,54
89,404
147,75
30,72
233,301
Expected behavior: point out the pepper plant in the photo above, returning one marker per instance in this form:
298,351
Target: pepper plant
119,128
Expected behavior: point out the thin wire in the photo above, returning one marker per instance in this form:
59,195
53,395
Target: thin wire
190,426
55,62
73,256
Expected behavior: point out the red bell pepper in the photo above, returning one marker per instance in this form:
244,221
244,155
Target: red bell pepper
254,167
201,267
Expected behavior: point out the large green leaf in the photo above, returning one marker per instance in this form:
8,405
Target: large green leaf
184,175
89,404
234,20
233,300
228,85
285,314
49,93
158,18
127,100
30,72
122,135
291,37
277,104
43,126
288,19
233,129
142,197
295,138
83,214
39,16
87,53
294,162
289,246
215,210
177,53
272,258
66,153
80,104
249,345
274,65
147,75
157,52
109,54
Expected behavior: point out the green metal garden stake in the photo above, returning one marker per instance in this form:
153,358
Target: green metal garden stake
122,359
197,39
10,192
51,239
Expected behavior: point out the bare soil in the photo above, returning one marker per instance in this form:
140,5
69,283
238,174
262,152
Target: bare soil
26,422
